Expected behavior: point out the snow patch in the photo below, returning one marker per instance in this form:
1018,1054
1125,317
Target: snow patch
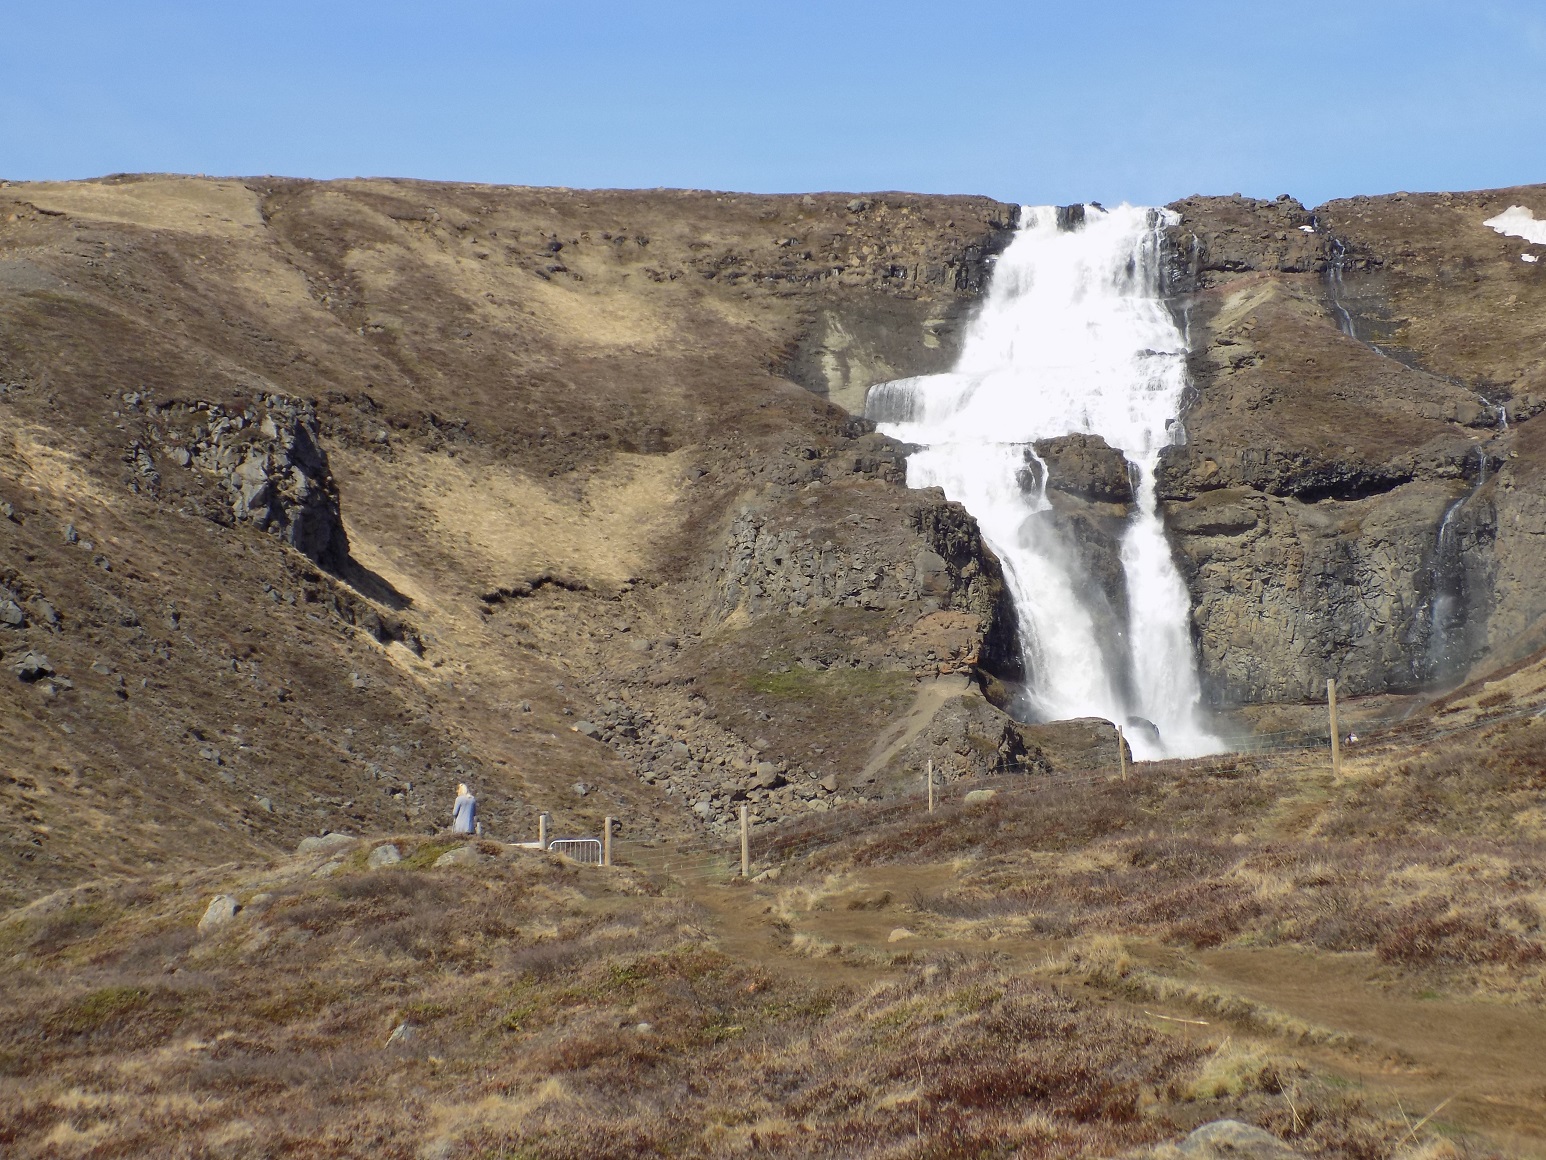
1307,229
1528,258
1518,222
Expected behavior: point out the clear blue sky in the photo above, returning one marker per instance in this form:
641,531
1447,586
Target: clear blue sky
1034,102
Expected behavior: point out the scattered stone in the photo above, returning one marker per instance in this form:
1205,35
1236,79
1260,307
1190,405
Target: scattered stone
222,909
580,788
328,869
524,707
769,875
1232,1140
71,536
829,783
899,934
767,776
45,612
11,615
403,1033
704,808
977,796
324,844
680,751
461,856
180,456
859,205
586,729
385,855
644,1028
8,512
32,666
265,805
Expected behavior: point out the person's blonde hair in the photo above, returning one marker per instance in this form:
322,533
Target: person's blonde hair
461,787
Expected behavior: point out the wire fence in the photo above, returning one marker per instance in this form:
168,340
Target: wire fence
714,859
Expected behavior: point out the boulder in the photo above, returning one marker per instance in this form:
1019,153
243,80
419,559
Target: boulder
11,615
1082,743
32,666
704,808
1232,1140
1087,466
324,844
977,797
932,574
222,909
385,855
767,776
461,856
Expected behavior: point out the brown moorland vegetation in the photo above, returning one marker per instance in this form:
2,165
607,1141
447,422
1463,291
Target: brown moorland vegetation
1079,966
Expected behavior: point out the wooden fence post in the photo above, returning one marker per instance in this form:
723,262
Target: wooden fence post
542,830
929,777
1122,752
1336,738
606,843
746,846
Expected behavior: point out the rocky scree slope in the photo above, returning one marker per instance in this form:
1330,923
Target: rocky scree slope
320,497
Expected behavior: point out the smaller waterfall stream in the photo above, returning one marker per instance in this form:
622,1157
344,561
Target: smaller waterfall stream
1445,614
1072,338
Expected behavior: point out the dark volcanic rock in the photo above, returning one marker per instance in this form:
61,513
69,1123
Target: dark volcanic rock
1088,467
1343,410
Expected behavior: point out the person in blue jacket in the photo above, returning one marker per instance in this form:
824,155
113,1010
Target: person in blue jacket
464,814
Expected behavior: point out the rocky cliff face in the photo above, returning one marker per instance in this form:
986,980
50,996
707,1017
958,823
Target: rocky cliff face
1357,495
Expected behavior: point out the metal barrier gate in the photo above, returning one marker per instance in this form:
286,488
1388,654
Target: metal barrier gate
586,850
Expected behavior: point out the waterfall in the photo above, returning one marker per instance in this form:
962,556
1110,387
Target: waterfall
1444,652
1072,338
1334,282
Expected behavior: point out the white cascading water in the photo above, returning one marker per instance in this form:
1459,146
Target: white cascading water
1072,337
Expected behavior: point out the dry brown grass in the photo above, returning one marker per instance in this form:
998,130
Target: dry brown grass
555,1012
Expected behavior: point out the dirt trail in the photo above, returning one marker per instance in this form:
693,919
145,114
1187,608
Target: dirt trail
931,695
1487,1060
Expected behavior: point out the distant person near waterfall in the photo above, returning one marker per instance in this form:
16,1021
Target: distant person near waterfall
464,814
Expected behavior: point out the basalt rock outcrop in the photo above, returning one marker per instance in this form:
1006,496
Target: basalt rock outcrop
1358,487
266,457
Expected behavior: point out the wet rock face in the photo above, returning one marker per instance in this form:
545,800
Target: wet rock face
1342,415
1088,467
